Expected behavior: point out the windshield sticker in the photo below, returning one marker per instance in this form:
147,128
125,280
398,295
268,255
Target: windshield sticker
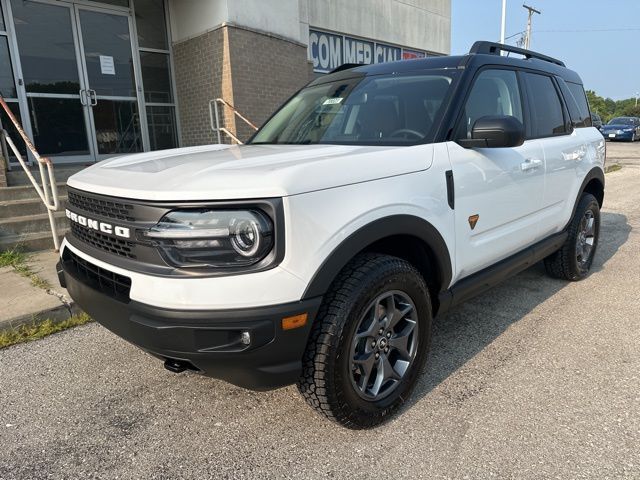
332,101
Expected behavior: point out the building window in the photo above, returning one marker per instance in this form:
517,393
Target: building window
155,62
7,84
151,24
8,88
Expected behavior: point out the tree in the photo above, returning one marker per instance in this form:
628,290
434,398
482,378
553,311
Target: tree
608,108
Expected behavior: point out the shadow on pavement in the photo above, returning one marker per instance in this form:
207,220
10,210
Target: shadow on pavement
468,329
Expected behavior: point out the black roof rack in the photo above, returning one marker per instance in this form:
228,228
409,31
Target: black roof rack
492,48
346,66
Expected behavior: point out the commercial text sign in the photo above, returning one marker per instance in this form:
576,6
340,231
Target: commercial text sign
330,50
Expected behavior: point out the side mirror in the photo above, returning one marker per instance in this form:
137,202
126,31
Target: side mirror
495,131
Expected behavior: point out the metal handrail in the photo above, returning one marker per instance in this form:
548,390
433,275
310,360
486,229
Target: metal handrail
214,116
48,194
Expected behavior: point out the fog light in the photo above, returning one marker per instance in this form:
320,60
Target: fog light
245,338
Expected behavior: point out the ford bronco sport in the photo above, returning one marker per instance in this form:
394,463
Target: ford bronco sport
376,198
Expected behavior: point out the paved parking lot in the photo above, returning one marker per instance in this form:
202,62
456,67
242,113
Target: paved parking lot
535,379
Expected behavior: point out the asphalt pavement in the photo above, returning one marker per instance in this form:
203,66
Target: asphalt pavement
538,378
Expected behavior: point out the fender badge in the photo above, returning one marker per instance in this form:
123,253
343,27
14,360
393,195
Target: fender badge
473,219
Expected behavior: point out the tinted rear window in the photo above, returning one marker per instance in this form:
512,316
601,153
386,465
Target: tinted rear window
546,109
583,107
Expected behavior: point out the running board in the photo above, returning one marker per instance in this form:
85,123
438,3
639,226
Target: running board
488,278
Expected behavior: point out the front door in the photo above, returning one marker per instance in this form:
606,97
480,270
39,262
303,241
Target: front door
499,191
78,80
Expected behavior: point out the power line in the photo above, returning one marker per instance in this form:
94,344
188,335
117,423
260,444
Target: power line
584,30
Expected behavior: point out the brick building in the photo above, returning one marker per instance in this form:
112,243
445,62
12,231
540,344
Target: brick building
93,79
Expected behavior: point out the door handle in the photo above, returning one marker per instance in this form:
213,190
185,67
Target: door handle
93,97
530,164
83,97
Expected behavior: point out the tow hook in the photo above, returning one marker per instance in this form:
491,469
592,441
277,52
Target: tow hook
176,366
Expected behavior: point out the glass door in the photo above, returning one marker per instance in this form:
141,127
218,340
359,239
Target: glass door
52,80
78,80
111,95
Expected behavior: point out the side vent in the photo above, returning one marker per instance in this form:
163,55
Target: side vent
450,192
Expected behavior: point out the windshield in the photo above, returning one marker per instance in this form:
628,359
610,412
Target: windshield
621,121
374,110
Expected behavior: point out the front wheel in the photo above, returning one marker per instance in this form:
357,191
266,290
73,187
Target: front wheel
573,261
369,342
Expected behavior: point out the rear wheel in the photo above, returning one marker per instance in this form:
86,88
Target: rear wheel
369,342
573,261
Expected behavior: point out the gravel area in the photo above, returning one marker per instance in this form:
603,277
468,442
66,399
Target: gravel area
536,379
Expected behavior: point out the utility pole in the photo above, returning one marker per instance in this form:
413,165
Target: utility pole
503,25
527,39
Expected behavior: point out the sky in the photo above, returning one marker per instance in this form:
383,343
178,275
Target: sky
599,39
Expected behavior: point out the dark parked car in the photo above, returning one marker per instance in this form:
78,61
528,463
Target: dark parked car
596,121
622,128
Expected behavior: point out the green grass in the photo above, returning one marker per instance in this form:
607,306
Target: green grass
17,259
38,330
13,257
613,168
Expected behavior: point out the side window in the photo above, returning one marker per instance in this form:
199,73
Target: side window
494,92
546,109
583,107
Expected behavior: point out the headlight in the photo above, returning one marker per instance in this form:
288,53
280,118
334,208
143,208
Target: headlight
213,238
627,129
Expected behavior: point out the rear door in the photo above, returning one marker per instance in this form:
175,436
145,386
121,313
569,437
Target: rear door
498,191
567,147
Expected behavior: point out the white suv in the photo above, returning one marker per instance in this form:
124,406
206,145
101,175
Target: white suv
376,198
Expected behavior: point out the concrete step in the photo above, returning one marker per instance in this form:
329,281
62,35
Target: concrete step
30,242
17,176
31,223
29,206
25,192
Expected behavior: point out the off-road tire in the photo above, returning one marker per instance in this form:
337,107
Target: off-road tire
564,263
326,379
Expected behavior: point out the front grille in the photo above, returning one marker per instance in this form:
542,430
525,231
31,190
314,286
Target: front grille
106,243
102,207
104,281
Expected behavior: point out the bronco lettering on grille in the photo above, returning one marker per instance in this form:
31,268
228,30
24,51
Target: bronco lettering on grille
98,226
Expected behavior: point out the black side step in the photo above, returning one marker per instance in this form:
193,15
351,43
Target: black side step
488,278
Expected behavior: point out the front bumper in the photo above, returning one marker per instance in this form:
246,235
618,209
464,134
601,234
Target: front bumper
618,136
207,341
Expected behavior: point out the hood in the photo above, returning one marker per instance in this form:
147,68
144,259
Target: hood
223,172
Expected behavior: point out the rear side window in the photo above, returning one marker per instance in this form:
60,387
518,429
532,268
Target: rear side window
580,98
546,109
494,92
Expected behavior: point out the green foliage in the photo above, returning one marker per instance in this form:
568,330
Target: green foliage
608,108
11,258
17,259
37,330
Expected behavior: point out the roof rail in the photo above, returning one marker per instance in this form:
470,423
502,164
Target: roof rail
492,48
346,66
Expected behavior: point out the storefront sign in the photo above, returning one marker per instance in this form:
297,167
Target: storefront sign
387,53
330,50
412,54
325,50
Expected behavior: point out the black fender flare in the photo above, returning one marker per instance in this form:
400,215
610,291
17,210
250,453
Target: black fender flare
595,173
377,230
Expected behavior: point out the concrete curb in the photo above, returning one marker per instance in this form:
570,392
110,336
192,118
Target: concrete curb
57,315
23,303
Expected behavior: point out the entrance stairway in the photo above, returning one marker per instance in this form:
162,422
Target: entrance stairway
23,217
